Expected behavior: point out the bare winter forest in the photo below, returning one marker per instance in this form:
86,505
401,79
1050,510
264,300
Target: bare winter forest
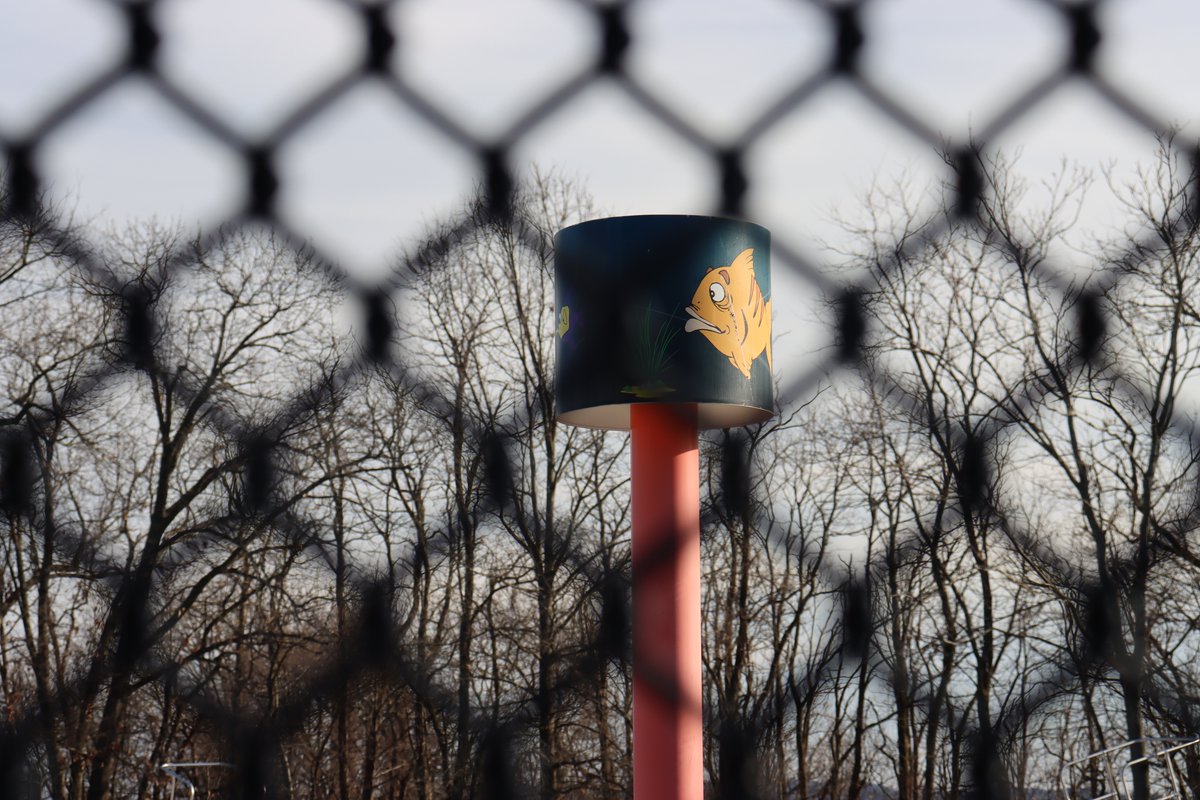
878,590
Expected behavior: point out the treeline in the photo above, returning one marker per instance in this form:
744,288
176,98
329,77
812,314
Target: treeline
962,562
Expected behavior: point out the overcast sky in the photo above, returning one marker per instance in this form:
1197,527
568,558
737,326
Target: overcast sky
368,176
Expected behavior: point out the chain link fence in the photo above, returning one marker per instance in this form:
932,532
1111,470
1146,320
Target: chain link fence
1103,608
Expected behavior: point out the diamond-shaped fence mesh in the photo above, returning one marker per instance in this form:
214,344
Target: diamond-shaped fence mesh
248,553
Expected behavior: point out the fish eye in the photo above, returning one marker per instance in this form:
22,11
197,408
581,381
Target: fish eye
717,292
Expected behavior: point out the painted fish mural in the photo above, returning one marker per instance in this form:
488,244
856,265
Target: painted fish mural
728,308
630,304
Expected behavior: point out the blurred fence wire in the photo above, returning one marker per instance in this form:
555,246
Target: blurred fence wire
135,653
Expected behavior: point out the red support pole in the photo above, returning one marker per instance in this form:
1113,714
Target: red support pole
667,723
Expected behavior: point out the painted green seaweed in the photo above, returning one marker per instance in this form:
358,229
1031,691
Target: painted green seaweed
654,353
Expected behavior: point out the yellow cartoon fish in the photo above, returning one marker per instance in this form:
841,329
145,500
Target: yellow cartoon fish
564,322
729,309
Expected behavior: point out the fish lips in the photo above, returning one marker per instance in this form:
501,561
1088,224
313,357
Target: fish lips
698,323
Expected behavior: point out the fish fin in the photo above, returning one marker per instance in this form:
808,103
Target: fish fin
739,360
766,322
744,260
